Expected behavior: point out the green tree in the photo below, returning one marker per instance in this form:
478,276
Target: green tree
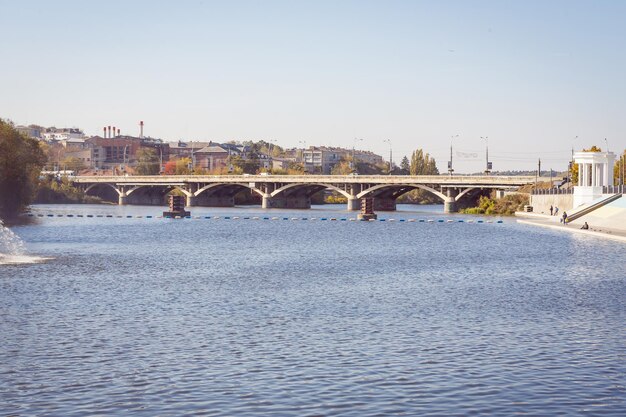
249,165
148,162
405,166
422,164
21,161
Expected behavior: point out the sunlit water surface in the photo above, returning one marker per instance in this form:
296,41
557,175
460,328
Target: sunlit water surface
139,316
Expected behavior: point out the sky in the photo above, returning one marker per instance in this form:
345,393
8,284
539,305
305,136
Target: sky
537,78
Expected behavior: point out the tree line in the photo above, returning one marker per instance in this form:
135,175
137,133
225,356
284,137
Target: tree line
21,161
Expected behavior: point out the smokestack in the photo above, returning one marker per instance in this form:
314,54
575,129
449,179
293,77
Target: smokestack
118,132
141,129
105,132
109,132
114,131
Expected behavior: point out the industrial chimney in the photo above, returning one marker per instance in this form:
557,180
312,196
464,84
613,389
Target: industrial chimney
109,127
105,132
114,131
141,129
118,132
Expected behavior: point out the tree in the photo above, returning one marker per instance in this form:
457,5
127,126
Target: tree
423,164
183,166
21,161
618,169
148,162
72,163
249,165
405,166
170,167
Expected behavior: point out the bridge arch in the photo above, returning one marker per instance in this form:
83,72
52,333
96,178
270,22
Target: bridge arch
97,184
309,185
402,188
465,191
226,185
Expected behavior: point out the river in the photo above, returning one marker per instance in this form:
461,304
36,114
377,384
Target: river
249,316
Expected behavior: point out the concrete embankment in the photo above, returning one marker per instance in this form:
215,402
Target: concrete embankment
608,221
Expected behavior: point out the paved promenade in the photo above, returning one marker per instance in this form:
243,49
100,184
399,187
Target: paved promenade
552,222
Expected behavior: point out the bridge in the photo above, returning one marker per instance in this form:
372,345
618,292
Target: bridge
293,191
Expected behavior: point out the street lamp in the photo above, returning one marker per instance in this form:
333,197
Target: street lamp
487,167
390,155
354,165
450,170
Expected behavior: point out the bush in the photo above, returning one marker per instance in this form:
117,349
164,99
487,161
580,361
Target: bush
506,205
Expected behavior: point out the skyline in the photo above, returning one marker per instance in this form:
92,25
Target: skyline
532,77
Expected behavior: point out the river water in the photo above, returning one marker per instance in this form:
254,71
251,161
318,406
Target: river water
252,317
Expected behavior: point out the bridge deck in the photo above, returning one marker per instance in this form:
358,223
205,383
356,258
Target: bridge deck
442,180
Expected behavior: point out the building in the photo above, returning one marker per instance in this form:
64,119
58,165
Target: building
323,159
52,134
595,174
32,131
213,157
282,163
121,151
182,149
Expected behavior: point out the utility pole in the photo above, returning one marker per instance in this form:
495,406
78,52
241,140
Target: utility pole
538,172
450,169
486,138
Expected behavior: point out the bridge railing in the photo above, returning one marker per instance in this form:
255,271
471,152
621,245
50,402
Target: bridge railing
440,179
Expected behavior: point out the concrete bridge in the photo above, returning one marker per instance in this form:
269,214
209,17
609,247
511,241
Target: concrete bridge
294,191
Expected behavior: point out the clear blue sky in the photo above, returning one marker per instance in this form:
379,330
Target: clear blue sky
530,75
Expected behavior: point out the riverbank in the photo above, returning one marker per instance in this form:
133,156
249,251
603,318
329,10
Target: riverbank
552,222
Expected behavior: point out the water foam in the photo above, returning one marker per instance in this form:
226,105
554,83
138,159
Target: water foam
13,250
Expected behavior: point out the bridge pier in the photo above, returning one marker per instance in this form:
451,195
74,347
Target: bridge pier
191,201
354,204
266,201
123,198
450,203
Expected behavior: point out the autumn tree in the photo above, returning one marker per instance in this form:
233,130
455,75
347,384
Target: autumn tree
72,163
21,161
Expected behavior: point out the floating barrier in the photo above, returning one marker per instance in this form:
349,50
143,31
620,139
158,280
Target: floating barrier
343,219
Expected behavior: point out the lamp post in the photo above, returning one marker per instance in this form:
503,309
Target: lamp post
354,165
486,138
450,169
390,155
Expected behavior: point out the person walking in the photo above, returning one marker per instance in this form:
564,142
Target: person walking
556,211
551,209
564,217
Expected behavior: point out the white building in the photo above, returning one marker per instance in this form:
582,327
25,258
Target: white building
595,171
